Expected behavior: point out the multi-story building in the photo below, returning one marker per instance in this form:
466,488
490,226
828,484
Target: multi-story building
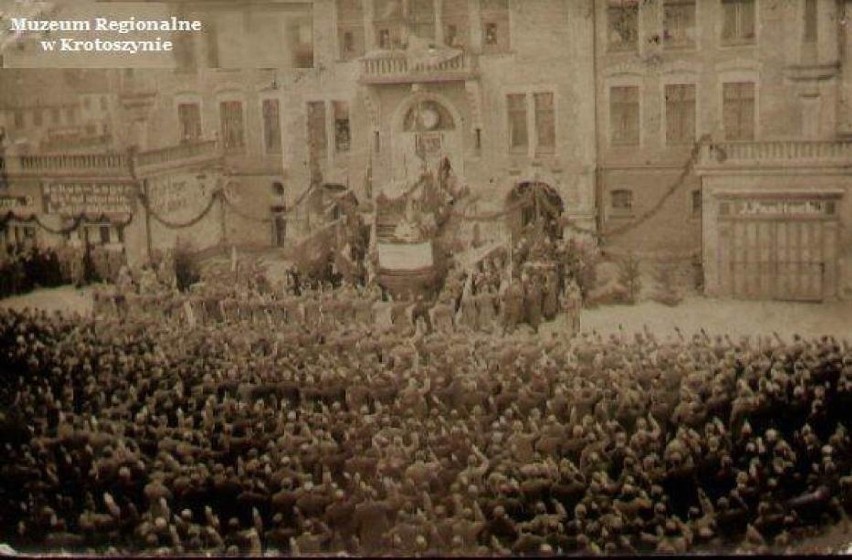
721,133
503,89
711,130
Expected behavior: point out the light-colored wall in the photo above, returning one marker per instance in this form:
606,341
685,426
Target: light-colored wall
788,105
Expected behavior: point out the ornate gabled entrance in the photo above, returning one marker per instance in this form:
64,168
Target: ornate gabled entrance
426,130
534,205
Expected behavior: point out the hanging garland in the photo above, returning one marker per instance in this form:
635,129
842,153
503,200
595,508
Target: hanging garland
647,215
74,225
181,225
650,213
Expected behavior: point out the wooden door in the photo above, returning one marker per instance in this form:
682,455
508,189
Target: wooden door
783,259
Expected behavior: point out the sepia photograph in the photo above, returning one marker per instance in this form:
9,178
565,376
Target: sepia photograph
425,278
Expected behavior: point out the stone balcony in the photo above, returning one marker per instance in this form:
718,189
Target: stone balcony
182,155
110,165
775,154
67,165
404,66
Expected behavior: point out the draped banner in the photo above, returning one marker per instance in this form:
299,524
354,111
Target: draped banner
407,256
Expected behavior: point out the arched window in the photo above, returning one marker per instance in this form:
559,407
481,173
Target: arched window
427,116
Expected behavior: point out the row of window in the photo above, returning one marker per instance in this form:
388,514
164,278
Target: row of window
328,125
37,116
232,124
738,113
442,21
679,30
621,203
532,122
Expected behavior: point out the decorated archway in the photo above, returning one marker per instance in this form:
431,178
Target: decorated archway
534,206
427,129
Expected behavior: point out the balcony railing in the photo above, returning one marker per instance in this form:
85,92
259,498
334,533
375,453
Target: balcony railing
402,66
180,154
68,164
774,153
109,164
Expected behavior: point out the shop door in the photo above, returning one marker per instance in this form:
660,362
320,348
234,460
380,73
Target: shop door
776,257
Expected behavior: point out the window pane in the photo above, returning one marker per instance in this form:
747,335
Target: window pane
456,24
696,202
679,23
623,24
738,110
729,20
342,133
317,138
747,19
680,113
423,18
518,136
189,119
810,21
738,20
388,19
495,26
545,121
622,199
624,115
233,133
350,28
271,126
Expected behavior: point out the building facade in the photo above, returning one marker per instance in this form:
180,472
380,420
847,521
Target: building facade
711,131
721,134
505,89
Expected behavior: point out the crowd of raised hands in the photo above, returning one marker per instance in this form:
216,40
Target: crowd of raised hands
124,435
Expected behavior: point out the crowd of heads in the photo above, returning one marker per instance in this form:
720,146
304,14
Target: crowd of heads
132,435
24,268
29,266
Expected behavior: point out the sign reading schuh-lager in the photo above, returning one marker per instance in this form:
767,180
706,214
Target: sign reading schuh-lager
89,198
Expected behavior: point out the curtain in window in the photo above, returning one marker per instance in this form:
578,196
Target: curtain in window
624,115
233,133
738,110
317,137
623,24
342,133
271,126
189,119
680,113
518,135
545,124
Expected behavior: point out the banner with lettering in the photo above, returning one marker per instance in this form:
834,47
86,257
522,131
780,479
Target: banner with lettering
71,199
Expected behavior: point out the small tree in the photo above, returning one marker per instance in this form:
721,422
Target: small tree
629,276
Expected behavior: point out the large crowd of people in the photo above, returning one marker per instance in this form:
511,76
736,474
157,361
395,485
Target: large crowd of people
24,268
338,435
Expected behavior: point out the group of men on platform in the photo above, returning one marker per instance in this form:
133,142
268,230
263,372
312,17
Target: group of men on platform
477,301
